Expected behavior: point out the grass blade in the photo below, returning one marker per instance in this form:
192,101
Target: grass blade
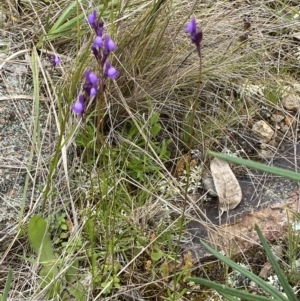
282,279
225,290
260,282
65,15
7,285
61,27
259,166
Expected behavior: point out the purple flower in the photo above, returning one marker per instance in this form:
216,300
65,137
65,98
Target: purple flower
92,18
195,33
91,77
78,107
109,44
98,42
93,91
191,26
55,60
110,72
97,25
91,83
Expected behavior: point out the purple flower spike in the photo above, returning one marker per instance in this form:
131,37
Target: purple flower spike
195,33
111,72
92,18
109,44
78,107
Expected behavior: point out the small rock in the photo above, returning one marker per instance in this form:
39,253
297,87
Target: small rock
266,154
266,271
291,102
296,35
263,131
277,118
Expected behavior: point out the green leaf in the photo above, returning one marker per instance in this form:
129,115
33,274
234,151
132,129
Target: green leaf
155,129
225,290
72,271
281,277
64,235
268,288
77,291
47,275
154,118
7,285
230,298
156,255
63,227
259,166
40,240
164,154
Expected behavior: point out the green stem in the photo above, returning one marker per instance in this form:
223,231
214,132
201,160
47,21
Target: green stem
191,144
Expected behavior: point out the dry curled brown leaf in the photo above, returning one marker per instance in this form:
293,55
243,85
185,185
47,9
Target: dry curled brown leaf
226,184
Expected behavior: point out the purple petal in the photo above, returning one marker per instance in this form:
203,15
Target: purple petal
91,77
110,71
93,92
192,26
109,44
92,18
78,107
98,42
56,60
